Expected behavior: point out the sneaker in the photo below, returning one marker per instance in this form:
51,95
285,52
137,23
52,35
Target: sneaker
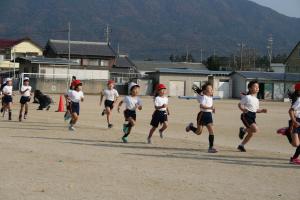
188,127
295,161
110,126
48,108
1,110
149,141
125,139
161,135
25,116
125,128
241,148
242,133
103,113
71,128
212,150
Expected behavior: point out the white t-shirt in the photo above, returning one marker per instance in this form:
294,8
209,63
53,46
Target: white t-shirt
7,90
28,92
75,96
110,95
160,101
296,107
250,103
205,101
131,103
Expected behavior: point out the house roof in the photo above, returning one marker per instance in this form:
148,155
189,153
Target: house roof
45,60
274,76
190,71
61,47
123,62
298,44
8,43
149,66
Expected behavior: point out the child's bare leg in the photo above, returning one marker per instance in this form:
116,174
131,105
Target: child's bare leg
131,123
108,115
250,131
152,130
164,127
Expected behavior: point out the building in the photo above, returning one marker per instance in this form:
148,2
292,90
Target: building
150,66
11,49
273,85
278,67
123,70
293,60
51,75
86,54
180,81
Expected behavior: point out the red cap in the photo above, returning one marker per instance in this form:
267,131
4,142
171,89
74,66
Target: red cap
297,86
160,87
76,83
110,82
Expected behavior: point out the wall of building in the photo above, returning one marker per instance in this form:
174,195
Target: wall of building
26,47
239,84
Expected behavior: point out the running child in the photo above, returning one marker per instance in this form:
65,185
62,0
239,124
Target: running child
160,115
68,114
76,96
249,106
25,98
111,97
294,123
132,102
7,91
204,118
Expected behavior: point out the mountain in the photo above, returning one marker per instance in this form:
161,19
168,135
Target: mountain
153,28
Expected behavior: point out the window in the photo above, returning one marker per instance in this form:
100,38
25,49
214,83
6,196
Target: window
90,62
104,63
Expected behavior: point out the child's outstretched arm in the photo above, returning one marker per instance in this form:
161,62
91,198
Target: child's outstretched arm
101,98
242,108
120,104
262,110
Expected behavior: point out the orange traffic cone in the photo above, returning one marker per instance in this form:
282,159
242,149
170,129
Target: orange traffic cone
61,106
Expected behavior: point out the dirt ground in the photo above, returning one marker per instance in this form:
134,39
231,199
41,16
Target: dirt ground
41,159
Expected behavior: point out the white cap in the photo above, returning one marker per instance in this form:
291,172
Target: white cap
131,85
8,79
26,79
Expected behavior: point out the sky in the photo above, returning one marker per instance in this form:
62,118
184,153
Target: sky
287,7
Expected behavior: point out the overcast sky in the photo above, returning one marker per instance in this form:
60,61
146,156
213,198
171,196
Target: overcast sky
286,7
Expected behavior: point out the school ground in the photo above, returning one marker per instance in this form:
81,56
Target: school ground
41,159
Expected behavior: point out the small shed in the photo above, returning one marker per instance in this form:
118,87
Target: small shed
273,85
180,81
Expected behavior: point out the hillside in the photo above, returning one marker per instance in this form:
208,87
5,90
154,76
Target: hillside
153,28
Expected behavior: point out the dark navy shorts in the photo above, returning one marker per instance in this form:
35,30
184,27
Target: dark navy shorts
108,103
24,100
295,130
75,108
204,118
129,113
7,99
158,117
248,118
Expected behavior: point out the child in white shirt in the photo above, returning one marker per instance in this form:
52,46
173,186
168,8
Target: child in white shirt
76,96
25,98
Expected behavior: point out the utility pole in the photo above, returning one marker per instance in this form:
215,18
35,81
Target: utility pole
69,51
241,45
187,54
201,54
107,33
270,50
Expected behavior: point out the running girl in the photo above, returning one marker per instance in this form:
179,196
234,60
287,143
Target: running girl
7,91
132,102
160,115
75,96
294,123
111,97
249,105
25,98
204,118
68,113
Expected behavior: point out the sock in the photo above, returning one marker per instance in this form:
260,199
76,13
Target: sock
297,152
211,140
9,114
194,129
